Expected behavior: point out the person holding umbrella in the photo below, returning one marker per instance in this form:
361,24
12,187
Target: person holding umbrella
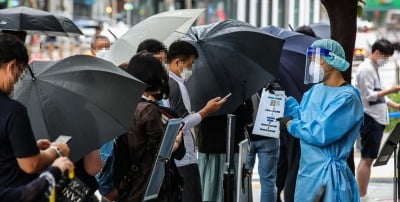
327,122
21,157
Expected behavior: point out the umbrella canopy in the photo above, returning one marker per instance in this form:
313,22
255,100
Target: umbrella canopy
81,96
234,57
321,30
292,60
166,27
35,21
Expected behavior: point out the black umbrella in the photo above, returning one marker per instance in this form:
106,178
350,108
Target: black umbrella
292,61
35,21
321,30
234,57
85,97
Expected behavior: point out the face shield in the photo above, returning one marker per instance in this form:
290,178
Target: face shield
314,73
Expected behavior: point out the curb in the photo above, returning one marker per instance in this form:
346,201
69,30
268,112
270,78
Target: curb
381,180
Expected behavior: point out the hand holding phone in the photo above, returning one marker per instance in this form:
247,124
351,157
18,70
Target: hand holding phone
227,96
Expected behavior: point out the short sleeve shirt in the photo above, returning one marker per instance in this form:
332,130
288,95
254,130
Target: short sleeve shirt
16,141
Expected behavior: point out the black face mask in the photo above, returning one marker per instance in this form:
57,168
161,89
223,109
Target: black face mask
158,96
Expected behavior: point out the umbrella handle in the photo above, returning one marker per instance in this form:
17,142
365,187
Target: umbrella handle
31,72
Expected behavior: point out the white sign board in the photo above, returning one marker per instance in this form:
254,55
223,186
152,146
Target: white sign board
270,108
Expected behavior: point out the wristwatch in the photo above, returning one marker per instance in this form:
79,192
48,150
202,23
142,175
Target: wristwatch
58,151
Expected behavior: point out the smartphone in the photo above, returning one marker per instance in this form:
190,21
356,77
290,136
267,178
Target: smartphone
63,139
226,96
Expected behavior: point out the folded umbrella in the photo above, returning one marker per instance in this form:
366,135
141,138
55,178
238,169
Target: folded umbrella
35,21
234,57
292,61
85,97
165,27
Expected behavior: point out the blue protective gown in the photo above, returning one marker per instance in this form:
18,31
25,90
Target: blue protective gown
327,123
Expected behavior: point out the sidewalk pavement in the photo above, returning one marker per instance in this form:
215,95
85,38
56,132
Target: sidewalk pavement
380,188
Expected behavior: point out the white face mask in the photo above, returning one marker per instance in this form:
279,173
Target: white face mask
382,61
186,74
316,72
101,53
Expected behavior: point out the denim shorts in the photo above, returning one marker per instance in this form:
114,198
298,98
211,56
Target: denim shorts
371,135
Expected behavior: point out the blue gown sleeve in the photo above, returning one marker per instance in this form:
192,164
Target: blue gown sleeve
331,124
292,108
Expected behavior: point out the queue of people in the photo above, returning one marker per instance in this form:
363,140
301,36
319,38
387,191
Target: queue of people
326,122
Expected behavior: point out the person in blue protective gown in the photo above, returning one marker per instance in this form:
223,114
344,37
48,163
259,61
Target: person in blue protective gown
327,122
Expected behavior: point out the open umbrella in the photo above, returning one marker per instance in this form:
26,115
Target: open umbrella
35,21
292,60
234,57
84,97
321,30
166,27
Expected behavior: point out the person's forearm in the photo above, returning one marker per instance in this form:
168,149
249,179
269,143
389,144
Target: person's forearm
38,162
393,105
383,93
191,121
46,159
204,112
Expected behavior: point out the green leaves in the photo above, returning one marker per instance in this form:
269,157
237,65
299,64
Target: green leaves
360,7
359,11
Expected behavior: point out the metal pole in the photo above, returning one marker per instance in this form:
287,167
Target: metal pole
128,17
397,72
188,4
229,175
114,12
395,174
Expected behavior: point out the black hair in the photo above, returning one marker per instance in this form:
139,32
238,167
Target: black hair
149,70
12,48
152,46
21,35
99,37
181,49
306,30
384,46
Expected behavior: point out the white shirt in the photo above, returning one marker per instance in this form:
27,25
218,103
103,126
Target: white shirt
368,82
190,121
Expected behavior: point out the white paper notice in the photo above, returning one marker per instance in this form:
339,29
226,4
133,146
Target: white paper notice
270,108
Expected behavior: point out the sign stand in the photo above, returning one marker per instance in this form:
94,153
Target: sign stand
388,148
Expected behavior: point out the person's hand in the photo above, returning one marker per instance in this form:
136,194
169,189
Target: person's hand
212,105
63,163
63,148
283,122
43,144
395,89
215,104
273,86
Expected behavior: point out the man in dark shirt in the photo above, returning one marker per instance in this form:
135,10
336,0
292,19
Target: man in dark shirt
21,157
